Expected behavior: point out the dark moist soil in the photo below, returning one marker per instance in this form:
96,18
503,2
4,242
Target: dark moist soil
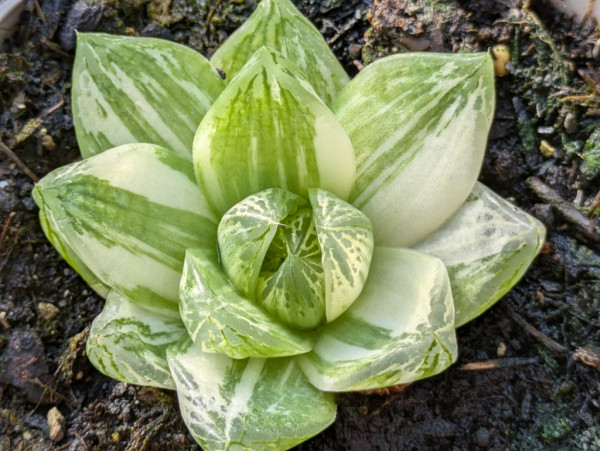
528,373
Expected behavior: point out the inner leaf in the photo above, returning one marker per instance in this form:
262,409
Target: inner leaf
291,284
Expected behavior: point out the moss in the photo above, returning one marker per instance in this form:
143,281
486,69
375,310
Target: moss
591,155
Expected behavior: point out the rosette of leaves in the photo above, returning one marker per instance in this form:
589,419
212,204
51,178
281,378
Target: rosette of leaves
268,239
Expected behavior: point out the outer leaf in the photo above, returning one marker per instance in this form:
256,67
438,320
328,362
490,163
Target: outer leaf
246,232
279,25
419,124
268,129
346,240
246,404
130,90
71,258
486,247
128,342
128,214
400,329
219,320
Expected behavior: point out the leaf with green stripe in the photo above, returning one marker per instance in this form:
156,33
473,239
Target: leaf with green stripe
128,214
246,404
71,258
219,320
487,246
279,25
400,329
419,124
139,90
128,342
246,231
346,240
268,129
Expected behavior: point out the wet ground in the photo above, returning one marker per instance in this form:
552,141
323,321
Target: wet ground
528,374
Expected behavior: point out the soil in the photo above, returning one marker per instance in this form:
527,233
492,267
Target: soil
528,374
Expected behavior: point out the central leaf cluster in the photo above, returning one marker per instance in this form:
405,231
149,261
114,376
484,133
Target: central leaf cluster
303,261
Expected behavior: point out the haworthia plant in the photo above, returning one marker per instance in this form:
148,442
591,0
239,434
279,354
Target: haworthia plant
250,235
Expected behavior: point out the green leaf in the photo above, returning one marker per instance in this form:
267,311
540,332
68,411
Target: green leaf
139,90
400,329
128,342
487,246
279,25
71,258
346,239
268,129
219,320
246,232
128,214
419,124
246,404
291,286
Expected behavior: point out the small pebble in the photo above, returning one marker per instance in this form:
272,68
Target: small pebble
48,311
501,55
545,131
570,123
56,425
547,149
501,350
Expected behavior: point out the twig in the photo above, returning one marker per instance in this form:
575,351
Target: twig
211,13
548,342
499,363
6,226
13,156
53,109
585,228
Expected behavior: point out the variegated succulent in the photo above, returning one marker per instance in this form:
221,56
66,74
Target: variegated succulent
268,239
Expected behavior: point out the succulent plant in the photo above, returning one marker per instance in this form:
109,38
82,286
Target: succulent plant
267,240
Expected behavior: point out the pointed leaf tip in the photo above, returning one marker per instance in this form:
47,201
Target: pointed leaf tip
419,124
486,246
279,25
139,90
268,129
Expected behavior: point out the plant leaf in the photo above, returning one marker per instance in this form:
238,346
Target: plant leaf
346,240
246,404
400,329
139,90
268,129
487,246
128,214
128,342
279,25
219,320
71,258
246,232
419,124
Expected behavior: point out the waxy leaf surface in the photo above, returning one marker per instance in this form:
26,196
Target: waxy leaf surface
246,231
400,329
129,214
419,124
279,25
246,404
128,342
487,246
219,320
71,258
268,129
346,240
139,90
